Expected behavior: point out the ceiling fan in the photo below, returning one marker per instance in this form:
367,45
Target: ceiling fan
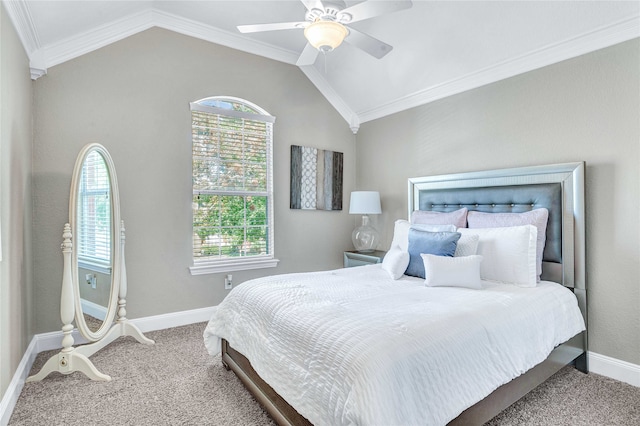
325,26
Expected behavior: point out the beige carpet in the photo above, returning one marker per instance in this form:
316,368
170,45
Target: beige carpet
175,382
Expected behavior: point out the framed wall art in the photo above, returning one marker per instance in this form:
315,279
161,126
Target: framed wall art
316,179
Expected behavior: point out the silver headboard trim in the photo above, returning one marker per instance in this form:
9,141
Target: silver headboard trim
571,178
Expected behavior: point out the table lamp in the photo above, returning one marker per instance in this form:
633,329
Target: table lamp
365,238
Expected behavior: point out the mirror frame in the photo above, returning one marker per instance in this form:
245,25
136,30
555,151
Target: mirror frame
116,242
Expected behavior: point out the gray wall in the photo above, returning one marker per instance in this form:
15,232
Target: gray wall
133,97
99,295
587,108
15,201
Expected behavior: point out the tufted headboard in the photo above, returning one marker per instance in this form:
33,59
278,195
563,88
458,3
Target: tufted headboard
559,188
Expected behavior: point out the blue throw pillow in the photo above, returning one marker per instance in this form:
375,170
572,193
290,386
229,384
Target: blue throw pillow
436,243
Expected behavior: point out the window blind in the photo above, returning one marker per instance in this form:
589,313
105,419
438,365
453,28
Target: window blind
231,182
93,241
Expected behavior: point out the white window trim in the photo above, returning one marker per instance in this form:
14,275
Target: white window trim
211,266
95,266
263,116
217,266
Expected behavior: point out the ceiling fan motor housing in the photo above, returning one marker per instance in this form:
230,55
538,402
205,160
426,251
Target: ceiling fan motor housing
331,12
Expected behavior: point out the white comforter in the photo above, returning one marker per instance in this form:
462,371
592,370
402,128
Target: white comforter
352,346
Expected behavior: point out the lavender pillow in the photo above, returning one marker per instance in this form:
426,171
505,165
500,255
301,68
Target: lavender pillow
458,218
537,218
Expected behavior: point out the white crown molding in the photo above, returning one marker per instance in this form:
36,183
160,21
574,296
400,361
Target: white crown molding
204,32
64,50
43,57
80,44
332,96
600,38
37,72
20,16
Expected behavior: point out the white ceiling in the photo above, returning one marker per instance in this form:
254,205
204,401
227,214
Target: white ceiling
440,47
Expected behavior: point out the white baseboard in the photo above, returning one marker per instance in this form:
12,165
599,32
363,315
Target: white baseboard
49,341
614,368
17,382
174,319
93,309
598,364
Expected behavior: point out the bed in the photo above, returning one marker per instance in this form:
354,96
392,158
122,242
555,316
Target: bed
347,346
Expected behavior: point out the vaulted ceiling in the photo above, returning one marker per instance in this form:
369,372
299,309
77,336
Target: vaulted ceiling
439,47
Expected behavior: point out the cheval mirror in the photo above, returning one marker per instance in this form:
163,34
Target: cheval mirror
94,280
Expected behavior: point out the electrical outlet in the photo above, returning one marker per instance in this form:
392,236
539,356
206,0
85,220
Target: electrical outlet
92,280
228,284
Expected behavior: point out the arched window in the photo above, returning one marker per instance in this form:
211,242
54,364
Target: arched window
232,185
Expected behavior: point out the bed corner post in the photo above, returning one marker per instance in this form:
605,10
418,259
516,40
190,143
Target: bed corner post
582,363
223,354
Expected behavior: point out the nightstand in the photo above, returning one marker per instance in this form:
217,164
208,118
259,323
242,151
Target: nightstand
356,258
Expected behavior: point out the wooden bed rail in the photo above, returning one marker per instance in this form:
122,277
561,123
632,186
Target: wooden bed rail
476,415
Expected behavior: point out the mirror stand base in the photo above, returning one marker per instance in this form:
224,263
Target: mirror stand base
129,329
73,359
120,328
67,362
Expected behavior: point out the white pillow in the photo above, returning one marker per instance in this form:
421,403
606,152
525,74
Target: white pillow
401,232
509,254
536,217
467,245
442,271
395,262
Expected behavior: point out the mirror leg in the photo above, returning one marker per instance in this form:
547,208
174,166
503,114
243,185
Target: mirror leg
133,331
67,363
49,367
82,364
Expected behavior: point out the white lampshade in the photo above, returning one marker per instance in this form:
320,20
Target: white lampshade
325,35
365,202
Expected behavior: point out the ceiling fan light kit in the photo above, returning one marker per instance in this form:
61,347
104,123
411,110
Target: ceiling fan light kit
325,26
325,35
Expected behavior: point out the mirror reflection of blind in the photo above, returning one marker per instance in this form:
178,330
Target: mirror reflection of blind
93,241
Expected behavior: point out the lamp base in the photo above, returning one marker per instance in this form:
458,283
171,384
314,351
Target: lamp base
365,238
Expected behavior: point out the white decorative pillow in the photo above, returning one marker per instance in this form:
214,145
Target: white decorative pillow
457,218
395,262
536,217
401,232
509,254
442,271
467,245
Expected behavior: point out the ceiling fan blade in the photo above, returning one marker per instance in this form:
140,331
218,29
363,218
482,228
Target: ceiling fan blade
312,4
371,45
256,28
308,56
371,8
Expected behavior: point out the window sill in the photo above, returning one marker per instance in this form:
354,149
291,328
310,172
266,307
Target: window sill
231,265
94,267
